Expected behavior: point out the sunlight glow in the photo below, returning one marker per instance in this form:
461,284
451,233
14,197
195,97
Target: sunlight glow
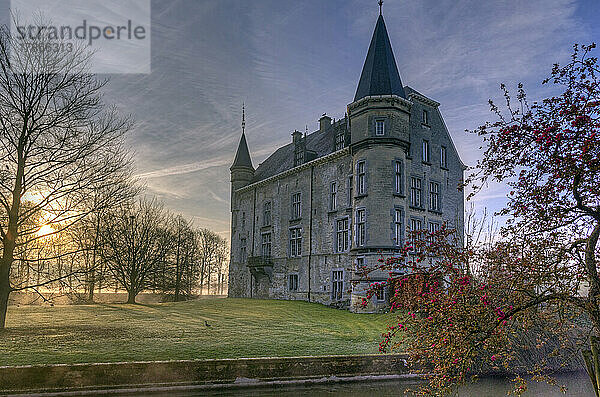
45,230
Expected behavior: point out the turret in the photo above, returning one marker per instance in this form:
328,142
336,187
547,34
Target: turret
380,110
242,170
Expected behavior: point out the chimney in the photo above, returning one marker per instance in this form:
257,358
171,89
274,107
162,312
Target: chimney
296,136
324,122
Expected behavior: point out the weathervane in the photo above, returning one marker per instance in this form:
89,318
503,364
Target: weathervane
380,6
243,117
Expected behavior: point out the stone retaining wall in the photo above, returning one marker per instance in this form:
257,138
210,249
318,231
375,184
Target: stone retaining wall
36,378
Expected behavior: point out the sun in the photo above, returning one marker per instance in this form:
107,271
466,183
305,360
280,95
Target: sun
45,230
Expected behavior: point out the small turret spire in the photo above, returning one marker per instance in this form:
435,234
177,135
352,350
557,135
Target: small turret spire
242,156
243,117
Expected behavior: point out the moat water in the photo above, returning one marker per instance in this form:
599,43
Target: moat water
577,385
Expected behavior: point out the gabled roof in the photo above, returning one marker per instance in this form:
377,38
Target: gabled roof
320,142
380,74
242,156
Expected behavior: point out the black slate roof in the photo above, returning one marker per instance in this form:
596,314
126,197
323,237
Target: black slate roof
321,142
242,156
380,74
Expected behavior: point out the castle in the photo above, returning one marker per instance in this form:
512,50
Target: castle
344,195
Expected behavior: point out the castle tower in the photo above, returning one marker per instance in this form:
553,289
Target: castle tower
380,139
242,170
379,122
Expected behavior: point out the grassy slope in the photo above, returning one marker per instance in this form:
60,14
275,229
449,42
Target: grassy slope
176,331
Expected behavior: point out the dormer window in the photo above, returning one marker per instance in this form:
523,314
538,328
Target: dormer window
380,127
298,156
339,141
425,117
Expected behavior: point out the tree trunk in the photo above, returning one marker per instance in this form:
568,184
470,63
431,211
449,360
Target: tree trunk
4,292
131,297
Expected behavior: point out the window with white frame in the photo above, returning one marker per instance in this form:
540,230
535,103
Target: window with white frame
425,154
361,219
415,226
341,234
296,205
295,241
298,156
433,227
398,226
337,284
293,282
266,245
434,196
333,196
267,214
379,127
398,177
361,187
360,263
339,141
443,157
416,192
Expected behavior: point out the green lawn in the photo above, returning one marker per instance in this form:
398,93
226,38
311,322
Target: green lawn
176,331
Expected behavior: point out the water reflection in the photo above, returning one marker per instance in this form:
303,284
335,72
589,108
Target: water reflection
577,385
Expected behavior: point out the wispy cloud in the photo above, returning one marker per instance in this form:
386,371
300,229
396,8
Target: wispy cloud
292,61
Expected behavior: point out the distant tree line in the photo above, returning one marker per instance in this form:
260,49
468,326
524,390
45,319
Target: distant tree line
71,217
136,246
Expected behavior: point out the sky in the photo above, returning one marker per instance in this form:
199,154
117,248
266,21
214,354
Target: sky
291,61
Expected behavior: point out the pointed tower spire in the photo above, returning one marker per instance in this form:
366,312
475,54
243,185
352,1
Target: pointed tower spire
242,156
380,74
380,7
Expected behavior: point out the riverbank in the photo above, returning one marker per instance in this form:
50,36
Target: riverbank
227,373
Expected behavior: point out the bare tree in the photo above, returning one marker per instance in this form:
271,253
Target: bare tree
136,244
59,142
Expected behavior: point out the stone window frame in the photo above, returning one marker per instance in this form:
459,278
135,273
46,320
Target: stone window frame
398,225
376,295
266,250
435,224
337,284
296,206
360,223
340,140
379,127
398,166
414,190
432,227
438,196
425,117
267,213
425,151
338,232
295,241
361,178
293,282
443,157
333,202
413,220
